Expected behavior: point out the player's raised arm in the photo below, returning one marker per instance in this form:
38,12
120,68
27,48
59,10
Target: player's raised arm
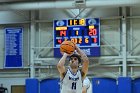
60,65
85,62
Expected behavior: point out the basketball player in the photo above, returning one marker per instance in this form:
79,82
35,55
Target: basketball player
86,86
71,79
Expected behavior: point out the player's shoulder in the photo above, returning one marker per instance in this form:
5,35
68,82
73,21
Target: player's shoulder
87,79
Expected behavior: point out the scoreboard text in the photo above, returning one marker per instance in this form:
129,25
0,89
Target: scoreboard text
84,32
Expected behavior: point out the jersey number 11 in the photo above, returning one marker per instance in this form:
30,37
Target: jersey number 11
73,86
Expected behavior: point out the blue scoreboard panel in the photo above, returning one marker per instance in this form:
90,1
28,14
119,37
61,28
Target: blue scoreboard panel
84,32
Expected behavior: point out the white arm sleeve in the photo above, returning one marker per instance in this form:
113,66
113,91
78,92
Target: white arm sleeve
86,83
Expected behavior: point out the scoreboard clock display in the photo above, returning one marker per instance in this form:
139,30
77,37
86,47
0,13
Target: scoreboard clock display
84,32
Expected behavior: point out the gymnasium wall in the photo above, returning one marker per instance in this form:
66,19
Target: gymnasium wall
105,66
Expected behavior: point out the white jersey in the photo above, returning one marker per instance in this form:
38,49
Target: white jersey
87,84
71,83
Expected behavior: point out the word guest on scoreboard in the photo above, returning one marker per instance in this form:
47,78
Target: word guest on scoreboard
84,32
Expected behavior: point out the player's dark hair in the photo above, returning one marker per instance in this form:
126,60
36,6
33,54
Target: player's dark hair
77,56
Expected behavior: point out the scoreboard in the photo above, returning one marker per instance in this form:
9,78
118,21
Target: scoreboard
84,32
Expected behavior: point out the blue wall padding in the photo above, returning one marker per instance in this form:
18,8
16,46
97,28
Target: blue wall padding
104,85
136,86
50,86
32,85
124,85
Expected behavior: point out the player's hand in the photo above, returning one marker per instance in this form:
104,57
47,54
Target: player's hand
63,53
76,47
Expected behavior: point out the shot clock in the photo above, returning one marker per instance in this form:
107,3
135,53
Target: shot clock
84,32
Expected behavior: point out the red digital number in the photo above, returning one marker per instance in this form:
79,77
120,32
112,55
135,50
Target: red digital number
59,41
94,40
62,33
92,32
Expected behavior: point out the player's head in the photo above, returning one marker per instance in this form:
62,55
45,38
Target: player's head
74,60
75,56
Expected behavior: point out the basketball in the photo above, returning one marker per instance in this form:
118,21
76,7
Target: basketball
67,47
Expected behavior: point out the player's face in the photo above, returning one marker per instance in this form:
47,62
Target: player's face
74,62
